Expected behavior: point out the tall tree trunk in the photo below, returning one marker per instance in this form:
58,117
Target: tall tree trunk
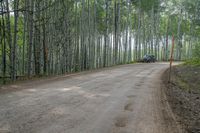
179,46
30,24
115,32
14,71
9,35
167,38
106,37
3,42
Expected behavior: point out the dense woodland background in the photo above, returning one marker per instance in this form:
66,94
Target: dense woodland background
51,37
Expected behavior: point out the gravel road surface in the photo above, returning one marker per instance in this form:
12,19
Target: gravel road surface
122,99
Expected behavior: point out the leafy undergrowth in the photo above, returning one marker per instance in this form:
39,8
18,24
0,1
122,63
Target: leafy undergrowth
193,62
183,93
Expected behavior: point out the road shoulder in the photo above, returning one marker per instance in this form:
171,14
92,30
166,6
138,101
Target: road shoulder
183,96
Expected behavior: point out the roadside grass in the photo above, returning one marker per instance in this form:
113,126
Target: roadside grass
193,62
181,83
187,76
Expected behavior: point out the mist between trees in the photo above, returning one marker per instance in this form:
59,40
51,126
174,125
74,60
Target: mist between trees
51,37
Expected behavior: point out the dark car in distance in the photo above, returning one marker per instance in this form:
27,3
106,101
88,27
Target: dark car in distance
149,58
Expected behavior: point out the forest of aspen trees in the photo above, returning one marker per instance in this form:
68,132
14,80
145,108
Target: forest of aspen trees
53,37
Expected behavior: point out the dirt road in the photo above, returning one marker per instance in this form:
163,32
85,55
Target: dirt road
123,99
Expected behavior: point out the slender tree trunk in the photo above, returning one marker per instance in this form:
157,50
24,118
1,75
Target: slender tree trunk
106,37
116,35
3,42
14,71
9,35
30,37
179,47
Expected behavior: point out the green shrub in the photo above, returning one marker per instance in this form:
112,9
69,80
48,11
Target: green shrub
196,51
195,56
193,62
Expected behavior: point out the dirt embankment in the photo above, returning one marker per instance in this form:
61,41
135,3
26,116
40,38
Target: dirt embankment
183,94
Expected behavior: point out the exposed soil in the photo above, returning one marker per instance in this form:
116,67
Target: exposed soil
183,94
